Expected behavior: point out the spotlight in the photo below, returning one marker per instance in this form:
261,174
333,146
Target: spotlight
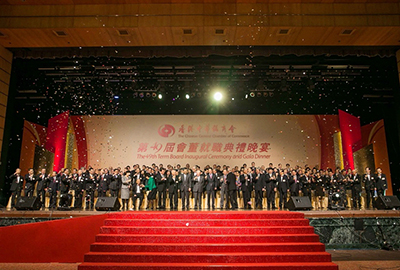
116,97
187,96
153,95
159,96
246,96
233,98
252,94
259,94
148,95
218,96
141,95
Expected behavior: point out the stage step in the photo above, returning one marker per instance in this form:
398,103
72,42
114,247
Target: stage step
261,257
205,238
203,266
207,222
208,230
206,215
196,247
202,240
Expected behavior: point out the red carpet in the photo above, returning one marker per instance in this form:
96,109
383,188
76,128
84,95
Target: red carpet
200,240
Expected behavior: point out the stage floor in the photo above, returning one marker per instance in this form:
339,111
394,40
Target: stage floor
346,259
308,214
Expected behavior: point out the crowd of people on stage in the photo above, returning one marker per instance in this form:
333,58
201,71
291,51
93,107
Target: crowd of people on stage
154,182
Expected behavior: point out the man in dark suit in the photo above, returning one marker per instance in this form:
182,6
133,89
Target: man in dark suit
211,187
115,183
16,186
30,182
355,185
369,181
79,187
246,185
259,186
186,184
90,186
294,184
198,180
173,186
232,188
223,183
381,182
42,186
270,179
161,182
103,181
138,190
53,188
65,184
305,181
283,188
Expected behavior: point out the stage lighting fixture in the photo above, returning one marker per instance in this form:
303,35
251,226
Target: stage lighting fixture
246,96
153,95
148,95
116,97
159,96
233,98
259,94
218,96
187,96
252,94
141,95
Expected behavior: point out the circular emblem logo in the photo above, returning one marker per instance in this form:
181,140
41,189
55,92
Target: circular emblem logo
166,131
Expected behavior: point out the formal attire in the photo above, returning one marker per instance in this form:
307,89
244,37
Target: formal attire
369,182
125,191
65,197
115,184
294,185
259,186
137,194
283,187
186,184
54,186
270,179
198,190
232,190
30,182
247,188
41,188
79,187
224,191
161,181
211,185
103,181
16,187
90,186
173,186
355,185
381,183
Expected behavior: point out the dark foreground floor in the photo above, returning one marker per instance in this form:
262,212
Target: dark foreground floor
346,259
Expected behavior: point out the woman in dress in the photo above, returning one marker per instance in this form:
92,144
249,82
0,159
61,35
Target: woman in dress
152,188
125,189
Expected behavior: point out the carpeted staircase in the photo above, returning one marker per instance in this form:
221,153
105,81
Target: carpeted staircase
199,240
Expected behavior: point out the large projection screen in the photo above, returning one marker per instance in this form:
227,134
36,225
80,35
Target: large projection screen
202,139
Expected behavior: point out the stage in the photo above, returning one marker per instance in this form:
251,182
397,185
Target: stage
336,229
345,259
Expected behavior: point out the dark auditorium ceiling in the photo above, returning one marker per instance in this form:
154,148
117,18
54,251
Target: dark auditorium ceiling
252,85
